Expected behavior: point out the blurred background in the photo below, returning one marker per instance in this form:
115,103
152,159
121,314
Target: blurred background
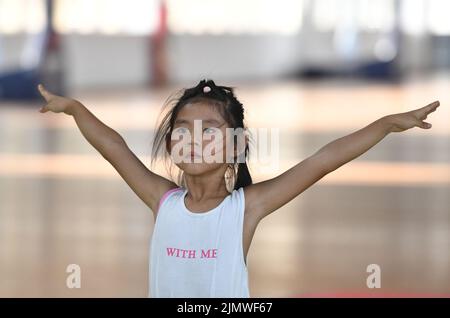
315,69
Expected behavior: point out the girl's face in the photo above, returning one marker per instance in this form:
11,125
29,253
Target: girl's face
198,143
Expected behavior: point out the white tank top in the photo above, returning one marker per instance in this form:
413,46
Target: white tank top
198,254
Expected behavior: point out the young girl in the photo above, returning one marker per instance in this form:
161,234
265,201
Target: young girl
204,223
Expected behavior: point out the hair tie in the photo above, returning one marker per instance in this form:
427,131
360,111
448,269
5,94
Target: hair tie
206,89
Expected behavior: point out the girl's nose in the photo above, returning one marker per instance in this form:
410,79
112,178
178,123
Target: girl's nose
196,139
194,146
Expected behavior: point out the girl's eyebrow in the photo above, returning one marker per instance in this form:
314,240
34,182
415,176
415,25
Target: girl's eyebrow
208,121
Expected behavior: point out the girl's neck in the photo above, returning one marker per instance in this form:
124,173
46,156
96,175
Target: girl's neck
200,188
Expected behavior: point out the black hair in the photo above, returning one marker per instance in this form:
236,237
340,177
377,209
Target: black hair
223,97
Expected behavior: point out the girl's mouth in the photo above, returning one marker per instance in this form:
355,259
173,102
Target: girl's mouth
195,155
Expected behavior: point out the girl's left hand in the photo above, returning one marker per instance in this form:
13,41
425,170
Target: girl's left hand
403,121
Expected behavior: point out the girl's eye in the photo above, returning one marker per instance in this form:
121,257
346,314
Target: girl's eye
209,130
182,130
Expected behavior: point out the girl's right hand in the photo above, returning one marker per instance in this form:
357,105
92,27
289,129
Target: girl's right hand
55,103
414,118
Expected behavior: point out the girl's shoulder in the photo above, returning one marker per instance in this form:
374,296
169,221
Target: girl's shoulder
168,193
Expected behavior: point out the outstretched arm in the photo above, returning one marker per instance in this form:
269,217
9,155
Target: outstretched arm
265,197
148,186
347,148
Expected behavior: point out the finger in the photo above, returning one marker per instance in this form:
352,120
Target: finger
425,125
421,113
46,94
432,107
43,109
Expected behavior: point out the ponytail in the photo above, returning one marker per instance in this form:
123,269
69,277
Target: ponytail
243,176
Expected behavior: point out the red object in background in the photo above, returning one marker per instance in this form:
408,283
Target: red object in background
158,49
